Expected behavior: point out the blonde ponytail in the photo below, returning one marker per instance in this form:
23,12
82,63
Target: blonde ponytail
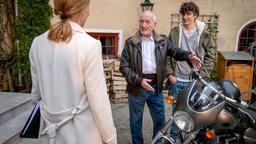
60,32
65,8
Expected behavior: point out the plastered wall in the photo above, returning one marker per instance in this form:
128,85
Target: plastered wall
123,15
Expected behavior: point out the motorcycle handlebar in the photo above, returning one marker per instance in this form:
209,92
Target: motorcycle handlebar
241,105
252,107
194,74
197,76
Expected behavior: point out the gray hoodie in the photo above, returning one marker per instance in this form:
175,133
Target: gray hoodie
205,49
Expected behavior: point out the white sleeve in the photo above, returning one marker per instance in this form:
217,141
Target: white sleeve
35,93
96,90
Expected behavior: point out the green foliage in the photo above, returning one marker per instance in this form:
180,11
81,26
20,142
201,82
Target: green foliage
213,74
33,19
213,30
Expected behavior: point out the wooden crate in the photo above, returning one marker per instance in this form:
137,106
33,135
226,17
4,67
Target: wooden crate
237,67
116,83
118,100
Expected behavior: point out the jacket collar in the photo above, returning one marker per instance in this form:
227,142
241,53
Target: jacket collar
137,38
76,27
200,26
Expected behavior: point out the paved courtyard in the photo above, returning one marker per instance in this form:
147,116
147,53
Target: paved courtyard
121,119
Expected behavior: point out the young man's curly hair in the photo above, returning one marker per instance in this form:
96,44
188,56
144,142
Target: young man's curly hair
189,6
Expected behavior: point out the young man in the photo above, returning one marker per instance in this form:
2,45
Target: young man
143,64
192,36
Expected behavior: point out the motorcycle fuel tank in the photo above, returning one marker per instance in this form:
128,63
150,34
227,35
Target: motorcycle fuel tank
225,120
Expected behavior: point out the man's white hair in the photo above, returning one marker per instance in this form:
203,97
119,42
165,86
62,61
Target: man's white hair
148,12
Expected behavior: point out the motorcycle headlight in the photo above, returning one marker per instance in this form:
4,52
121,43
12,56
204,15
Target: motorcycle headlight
184,121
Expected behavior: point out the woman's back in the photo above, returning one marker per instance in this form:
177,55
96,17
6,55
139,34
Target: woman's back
69,76
60,67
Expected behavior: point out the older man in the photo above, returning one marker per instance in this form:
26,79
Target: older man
143,64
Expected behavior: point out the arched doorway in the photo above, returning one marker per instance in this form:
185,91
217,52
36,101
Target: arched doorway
247,36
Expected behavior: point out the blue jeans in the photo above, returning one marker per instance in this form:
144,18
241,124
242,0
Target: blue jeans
175,90
155,104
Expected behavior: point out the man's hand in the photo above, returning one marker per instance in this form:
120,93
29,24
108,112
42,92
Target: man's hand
195,61
145,85
172,79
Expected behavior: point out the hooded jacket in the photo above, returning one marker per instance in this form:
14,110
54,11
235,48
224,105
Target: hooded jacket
205,49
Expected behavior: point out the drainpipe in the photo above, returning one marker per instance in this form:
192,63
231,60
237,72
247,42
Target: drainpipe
20,82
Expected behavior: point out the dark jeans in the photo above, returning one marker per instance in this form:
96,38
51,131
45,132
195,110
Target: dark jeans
175,90
136,107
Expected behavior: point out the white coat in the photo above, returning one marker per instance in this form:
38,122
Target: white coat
69,78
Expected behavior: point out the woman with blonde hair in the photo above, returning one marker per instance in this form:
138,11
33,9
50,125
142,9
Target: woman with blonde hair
67,74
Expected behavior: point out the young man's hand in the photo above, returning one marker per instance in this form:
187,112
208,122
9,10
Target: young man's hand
172,79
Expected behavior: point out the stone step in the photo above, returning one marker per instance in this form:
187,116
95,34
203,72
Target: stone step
13,104
14,111
29,141
10,130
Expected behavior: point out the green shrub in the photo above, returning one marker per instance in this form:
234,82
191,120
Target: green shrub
33,19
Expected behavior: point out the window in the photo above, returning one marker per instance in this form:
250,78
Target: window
247,37
109,42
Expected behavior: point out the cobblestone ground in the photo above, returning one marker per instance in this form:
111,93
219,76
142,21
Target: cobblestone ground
121,120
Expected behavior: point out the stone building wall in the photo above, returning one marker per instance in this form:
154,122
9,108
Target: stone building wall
122,15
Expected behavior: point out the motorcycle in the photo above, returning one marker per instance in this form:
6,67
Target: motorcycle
210,112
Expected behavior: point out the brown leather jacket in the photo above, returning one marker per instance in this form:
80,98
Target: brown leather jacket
131,60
